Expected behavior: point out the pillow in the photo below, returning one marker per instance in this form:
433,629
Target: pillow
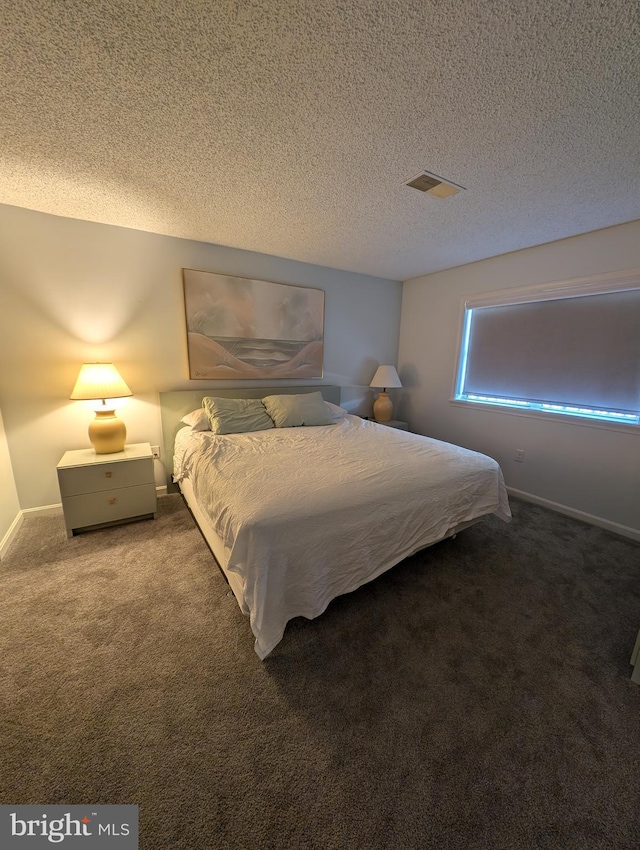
198,420
335,410
236,415
290,411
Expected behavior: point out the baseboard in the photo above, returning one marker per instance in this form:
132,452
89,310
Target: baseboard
11,533
623,530
43,510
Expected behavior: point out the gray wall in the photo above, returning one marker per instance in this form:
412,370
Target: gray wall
590,470
75,291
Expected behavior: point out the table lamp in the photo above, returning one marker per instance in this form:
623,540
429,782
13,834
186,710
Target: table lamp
102,382
385,376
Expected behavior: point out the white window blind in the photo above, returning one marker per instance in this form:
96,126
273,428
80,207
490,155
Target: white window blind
577,355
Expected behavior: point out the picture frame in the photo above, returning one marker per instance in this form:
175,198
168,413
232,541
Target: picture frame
246,329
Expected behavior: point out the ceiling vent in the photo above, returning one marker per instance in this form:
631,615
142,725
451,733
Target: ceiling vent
431,184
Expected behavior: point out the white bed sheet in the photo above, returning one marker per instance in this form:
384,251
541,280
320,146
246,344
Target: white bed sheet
307,514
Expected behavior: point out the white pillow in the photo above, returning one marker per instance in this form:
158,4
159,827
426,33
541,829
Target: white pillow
198,420
335,410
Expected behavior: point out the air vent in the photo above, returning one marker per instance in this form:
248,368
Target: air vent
433,185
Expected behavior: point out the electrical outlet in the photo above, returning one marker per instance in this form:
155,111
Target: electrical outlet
520,455
155,451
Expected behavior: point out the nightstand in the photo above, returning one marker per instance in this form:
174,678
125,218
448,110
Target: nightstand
394,423
101,490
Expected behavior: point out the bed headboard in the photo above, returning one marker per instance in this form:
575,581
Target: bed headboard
174,405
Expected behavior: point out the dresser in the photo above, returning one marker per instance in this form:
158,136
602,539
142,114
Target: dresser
101,490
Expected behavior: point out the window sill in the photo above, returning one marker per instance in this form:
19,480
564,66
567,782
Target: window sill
563,419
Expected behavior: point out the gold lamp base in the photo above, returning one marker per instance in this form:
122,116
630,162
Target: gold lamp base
107,433
383,408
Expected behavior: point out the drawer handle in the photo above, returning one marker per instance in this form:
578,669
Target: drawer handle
108,474
112,500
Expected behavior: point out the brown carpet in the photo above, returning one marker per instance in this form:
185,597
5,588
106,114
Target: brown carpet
475,696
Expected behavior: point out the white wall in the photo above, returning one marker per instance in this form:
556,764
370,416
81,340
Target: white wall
9,504
74,291
589,470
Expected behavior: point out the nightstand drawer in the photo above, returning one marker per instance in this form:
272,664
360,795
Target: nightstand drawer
109,506
75,480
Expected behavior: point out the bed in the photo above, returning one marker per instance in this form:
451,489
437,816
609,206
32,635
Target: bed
296,516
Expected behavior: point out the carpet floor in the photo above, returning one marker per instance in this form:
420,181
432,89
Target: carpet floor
477,695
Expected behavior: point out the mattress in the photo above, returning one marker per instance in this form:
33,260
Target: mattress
306,514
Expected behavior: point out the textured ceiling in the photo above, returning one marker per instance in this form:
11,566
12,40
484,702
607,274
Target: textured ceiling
290,127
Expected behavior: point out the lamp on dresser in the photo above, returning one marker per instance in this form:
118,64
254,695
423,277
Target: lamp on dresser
385,376
102,383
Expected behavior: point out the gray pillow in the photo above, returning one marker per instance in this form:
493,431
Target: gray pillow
236,415
290,411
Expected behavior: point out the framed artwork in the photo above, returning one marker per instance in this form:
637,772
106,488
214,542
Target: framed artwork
238,328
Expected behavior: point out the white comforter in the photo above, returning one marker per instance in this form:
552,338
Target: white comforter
307,514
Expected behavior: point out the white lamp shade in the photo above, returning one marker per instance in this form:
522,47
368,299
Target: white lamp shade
99,380
386,376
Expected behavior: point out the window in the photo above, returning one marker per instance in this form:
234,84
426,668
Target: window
569,349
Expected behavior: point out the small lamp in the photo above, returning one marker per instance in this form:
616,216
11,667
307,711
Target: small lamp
102,382
386,376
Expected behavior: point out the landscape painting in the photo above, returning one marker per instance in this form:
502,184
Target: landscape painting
238,328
